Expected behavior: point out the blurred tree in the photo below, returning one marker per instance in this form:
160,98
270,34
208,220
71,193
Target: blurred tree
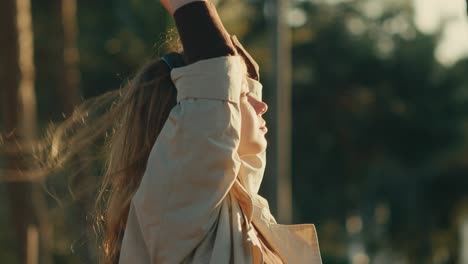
67,70
376,121
28,213
82,183
116,38
374,115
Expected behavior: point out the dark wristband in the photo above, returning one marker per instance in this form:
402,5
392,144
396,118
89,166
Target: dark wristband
202,33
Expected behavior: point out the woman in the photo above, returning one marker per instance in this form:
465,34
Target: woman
186,156
197,201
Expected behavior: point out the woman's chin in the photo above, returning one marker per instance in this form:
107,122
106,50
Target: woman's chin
254,148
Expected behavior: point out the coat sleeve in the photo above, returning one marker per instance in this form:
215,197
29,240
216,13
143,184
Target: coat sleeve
194,161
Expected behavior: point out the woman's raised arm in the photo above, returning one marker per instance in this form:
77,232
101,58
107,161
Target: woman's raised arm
203,35
194,162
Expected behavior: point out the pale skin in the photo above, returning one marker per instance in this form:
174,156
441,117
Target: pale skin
253,126
172,5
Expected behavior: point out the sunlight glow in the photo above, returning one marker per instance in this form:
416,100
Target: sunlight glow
296,17
354,224
450,17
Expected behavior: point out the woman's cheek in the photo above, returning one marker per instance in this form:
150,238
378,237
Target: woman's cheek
248,138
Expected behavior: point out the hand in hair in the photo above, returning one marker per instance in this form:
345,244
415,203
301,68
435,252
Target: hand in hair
172,5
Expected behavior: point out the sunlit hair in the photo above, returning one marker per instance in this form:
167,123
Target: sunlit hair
143,110
117,129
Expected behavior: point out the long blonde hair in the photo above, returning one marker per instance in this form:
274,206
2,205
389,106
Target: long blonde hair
144,109
124,124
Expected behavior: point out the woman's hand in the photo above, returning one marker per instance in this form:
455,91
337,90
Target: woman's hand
172,5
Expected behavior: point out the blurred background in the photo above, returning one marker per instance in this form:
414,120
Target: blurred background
378,118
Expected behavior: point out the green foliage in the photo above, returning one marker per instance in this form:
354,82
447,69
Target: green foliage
376,127
379,132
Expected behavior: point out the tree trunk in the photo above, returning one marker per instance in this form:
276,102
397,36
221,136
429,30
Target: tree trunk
27,206
19,116
67,88
67,70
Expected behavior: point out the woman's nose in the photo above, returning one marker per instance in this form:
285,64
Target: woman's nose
262,107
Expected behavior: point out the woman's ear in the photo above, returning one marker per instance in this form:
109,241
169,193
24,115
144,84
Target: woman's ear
252,65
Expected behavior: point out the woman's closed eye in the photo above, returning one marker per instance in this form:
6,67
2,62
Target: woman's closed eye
259,106
245,94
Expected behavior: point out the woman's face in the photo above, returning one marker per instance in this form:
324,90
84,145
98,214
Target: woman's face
253,126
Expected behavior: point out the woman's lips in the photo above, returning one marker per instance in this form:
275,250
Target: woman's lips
263,127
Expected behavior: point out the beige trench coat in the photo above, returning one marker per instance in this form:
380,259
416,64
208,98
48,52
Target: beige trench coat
198,201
